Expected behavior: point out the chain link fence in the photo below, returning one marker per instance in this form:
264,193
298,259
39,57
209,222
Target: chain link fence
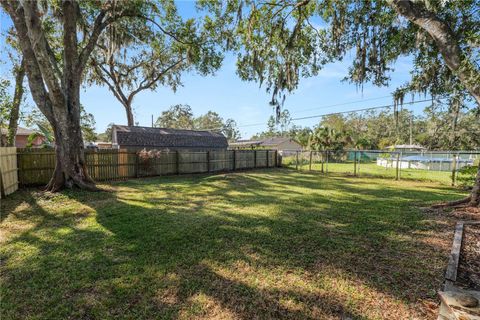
446,167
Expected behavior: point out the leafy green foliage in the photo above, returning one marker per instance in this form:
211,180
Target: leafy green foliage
107,135
181,117
45,134
466,176
279,42
209,121
178,116
5,101
87,123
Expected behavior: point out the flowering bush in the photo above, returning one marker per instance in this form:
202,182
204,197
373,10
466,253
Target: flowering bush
147,158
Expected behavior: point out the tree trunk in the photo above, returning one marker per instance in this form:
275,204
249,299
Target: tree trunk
475,195
128,110
17,99
70,166
56,93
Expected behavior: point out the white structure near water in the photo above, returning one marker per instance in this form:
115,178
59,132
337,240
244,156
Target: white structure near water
421,162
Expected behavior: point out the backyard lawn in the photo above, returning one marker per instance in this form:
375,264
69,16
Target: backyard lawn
266,244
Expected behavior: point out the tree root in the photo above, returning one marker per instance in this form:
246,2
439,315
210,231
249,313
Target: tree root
453,203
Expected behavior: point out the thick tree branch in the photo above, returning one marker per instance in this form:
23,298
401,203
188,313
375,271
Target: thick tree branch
44,54
147,84
446,43
34,75
98,26
70,43
17,99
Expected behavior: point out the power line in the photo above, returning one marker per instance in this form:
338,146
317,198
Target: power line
335,113
364,109
342,104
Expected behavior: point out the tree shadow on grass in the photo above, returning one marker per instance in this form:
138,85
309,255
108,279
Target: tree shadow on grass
192,253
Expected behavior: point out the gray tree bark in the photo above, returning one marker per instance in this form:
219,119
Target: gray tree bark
55,90
17,100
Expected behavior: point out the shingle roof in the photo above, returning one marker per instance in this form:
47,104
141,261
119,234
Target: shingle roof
167,138
262,142
20,131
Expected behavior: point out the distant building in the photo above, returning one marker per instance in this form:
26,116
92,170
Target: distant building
98,145
166,139
406,147
275,143
21,138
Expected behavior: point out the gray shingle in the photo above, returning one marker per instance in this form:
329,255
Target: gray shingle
148,137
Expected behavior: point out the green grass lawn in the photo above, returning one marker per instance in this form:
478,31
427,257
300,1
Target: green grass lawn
268,244
369,169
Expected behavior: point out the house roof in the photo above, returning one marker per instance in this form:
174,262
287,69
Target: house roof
20,131
167,137
268,142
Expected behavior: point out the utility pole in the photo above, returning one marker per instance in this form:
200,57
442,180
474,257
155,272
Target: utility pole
152,120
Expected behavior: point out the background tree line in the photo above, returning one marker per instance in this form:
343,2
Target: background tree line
181,116
436,129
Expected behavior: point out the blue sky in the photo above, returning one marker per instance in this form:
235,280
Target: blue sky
244,102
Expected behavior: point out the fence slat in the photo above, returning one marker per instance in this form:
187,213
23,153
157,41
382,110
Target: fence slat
8,171
36,166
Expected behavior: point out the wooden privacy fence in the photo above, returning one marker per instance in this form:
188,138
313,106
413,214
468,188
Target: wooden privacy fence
8,170
35,166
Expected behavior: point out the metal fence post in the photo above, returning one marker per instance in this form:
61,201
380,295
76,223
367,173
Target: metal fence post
397,173
268,161
326,163
454,169
355,163
276,158
296,162
255,158
310,165
323,160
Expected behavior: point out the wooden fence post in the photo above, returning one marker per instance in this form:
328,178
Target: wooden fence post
268,160
234,160
255,158
136,165
454,169
276,158
296,162
310,165
208,161
177,162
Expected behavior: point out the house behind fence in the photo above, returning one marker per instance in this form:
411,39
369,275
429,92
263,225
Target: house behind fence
137,138
274,143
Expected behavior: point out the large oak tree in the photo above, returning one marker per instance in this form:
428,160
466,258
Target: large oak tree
280,41
57,39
